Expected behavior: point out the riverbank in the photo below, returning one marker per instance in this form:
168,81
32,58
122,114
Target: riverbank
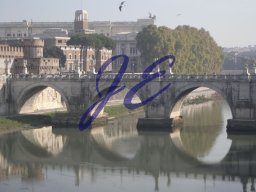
21,122
59,119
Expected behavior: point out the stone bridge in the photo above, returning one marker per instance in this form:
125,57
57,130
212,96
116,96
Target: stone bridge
79,93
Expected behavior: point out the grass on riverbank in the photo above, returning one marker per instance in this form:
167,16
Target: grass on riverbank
23,122
117,110
26,121
197,100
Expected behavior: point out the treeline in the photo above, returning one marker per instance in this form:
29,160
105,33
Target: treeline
195,50
234,60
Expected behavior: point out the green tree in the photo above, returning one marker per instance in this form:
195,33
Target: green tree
55,52
195,50
147,43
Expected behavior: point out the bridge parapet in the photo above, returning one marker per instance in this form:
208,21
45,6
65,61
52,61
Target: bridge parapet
211,77
137,76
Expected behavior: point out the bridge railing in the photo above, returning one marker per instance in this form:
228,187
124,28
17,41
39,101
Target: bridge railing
135,76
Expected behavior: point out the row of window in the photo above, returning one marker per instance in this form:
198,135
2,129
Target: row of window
7,56
62,41
8,48
133,51
55,61
16,35
40,68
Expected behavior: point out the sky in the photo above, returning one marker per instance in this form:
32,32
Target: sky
230,22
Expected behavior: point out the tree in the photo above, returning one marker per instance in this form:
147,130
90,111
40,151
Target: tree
96,41
55,52
195,50
147,43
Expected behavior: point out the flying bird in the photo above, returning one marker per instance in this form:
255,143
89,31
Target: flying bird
121,5
151,16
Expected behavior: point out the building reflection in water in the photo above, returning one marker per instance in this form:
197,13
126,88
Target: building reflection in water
45,139
102,154
122,141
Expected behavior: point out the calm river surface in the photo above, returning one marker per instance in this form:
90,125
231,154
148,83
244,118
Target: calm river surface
199,156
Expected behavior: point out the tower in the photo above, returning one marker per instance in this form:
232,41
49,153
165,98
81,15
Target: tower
81,21
33,48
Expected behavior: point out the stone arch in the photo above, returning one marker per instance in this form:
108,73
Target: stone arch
34,88
177,141
116,146
183,91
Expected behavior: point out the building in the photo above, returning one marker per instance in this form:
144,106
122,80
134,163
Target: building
26,57
7,55
33,61
77,58
126,44
58,33
25,29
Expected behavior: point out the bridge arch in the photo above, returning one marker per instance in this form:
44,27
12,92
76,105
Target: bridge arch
182,145
183,91
34,88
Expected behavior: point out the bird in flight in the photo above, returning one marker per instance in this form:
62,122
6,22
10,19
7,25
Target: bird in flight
121,5
151,16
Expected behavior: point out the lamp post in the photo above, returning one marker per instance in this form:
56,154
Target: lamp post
80,65
91,65
133,65
158,68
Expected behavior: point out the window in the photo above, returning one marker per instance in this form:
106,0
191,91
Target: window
122,50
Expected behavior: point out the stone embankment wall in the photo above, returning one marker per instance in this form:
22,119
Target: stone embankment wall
3,96
202,91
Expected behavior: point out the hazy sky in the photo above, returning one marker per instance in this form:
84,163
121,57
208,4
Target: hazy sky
230,22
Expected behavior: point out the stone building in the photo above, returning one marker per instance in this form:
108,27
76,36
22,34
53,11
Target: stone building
7,55
35,66
81,23
75,58
110,29
126,44
85,60
33,61
57,34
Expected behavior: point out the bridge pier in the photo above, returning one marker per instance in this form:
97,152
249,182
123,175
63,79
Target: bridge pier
241,125
154,124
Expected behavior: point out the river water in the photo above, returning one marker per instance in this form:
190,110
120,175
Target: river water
198,156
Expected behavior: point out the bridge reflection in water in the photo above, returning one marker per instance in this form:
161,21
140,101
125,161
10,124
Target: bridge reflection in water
94,160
